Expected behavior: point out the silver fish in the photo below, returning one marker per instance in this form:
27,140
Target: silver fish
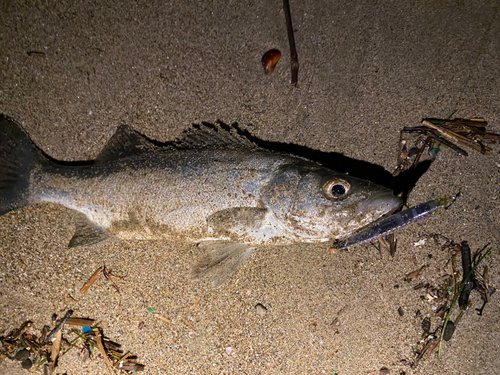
211,186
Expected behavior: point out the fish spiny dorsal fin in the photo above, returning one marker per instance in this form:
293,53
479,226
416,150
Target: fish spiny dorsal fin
219,136
124,142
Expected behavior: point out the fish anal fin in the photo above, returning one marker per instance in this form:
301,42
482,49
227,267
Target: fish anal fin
125,142
86,232
220,261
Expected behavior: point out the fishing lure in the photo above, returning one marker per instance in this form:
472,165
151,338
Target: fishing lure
397,221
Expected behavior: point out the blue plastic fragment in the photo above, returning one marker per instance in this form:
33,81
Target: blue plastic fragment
86,329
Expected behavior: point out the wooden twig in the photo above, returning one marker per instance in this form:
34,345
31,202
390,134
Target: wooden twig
108,276
294,60
56,346
428,349
454,137
83,322
393,243
91,281
59,326
162,318
436,135
100,346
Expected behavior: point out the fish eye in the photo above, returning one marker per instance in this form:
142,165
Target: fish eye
336,189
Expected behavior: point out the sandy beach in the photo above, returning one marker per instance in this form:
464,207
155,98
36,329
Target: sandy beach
73,71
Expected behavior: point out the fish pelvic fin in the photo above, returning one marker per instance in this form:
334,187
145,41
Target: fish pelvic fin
18,157
86,232
220,261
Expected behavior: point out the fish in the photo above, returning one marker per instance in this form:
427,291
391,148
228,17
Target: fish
212,186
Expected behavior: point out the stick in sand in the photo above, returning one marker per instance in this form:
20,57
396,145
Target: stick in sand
294,61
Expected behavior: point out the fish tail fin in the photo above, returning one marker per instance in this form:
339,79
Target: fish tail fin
18,156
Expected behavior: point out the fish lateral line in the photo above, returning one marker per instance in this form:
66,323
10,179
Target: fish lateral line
397,221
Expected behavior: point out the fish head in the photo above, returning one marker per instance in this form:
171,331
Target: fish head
318,204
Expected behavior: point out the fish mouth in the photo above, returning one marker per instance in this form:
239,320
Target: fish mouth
380,204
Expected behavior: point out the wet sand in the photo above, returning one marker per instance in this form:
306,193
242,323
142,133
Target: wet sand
366,70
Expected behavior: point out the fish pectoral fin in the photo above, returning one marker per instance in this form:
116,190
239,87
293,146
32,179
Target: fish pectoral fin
239,221
86,232
125,142
220,261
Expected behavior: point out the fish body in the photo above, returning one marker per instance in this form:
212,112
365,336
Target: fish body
212,184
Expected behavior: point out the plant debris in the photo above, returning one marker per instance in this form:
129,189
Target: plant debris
45,350
107,275
448,294
294,61
410,276
468,278
158,316
59,326
456,134
91,281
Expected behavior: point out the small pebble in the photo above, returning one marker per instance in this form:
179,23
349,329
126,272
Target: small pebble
420,243
26,364
426,325
22,354
261,309
141,325
384,371
401,312
84,354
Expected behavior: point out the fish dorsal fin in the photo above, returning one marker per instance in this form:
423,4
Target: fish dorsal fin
217,136
124,142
